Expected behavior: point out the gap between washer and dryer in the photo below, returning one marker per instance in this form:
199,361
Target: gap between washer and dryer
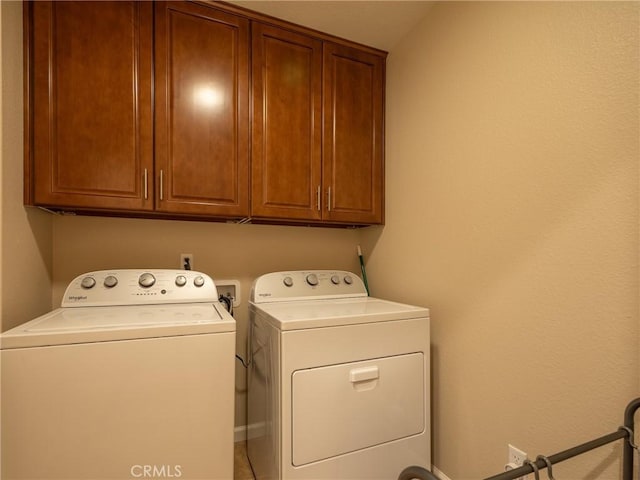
241,468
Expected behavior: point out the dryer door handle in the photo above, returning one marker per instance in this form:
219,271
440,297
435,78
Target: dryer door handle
364,374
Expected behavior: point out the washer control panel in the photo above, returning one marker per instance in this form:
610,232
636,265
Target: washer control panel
306,285
139,287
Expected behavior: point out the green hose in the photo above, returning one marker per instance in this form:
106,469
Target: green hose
364,271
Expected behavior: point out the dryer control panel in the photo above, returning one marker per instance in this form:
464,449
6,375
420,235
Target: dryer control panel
139,287
306,285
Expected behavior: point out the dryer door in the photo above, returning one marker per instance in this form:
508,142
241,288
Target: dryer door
343,408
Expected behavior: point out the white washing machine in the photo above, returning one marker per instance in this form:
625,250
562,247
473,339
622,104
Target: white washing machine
133,377
339,382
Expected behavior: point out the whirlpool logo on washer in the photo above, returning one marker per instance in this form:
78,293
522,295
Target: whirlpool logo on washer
156,471
76,298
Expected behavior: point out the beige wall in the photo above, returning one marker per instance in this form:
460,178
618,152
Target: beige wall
512,211
25,234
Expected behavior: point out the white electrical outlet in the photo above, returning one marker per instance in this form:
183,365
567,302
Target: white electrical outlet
184,257
516,457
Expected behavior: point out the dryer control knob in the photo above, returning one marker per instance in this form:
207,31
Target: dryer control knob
335,279
181,280
88,282
288,281
198,281
312,279
348,280
110,281
146,280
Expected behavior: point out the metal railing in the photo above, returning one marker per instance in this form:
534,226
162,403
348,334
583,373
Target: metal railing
624,432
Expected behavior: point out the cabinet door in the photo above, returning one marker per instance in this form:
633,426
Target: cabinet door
353,135
286,135
202,117
89,104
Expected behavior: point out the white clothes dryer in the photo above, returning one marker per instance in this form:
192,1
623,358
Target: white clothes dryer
133,377
339,382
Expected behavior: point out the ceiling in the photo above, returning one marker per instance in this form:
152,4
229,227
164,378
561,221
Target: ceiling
379,24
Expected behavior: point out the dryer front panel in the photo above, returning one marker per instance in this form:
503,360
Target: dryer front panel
343,408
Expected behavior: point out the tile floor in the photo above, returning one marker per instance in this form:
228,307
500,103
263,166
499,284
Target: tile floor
241,468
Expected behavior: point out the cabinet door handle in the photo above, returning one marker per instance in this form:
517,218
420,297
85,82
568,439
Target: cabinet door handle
161,185
329,199
146,184
318,198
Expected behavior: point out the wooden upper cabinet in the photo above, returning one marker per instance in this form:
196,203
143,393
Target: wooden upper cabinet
287,124
297,81
200,110
89,104
202,117
353,154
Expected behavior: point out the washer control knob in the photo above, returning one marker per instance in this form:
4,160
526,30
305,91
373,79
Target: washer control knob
198,281
110,281
348,280
181,280
312,279
288,281
146,280
335,279
88,282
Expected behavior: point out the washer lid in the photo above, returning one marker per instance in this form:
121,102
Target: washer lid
100,324
296,315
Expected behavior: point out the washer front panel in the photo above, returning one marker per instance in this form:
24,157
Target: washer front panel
105,410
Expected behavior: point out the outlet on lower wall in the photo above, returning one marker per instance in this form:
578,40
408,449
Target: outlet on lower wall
516,458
